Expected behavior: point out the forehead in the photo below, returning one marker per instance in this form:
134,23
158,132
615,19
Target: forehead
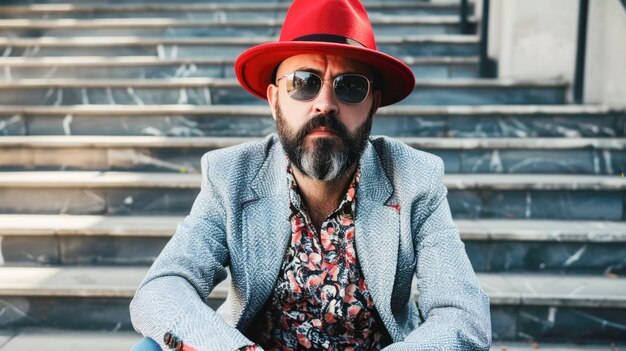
330,64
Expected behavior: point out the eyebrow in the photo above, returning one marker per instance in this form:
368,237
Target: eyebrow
321,74
309,69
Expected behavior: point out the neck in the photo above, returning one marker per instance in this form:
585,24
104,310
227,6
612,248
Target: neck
322,197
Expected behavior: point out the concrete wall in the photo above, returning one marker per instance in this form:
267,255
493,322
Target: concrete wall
536,39
605,78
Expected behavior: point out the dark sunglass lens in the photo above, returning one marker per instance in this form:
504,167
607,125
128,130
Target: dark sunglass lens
303,85
351,88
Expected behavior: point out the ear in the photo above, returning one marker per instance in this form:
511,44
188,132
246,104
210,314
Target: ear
272,95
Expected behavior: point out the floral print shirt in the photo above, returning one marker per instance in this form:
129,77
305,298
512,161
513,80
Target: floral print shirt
320,300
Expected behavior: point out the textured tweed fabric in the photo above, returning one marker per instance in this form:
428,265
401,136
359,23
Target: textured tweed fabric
240,222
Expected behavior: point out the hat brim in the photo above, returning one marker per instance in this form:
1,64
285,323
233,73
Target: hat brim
255,66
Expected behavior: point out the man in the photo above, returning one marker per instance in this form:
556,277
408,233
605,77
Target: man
321,227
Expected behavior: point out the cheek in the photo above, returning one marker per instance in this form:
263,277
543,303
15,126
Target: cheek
357,116
294,112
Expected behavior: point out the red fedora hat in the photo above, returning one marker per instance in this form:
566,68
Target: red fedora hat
333,27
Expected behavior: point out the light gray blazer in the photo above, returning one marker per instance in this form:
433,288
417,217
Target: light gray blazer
240,221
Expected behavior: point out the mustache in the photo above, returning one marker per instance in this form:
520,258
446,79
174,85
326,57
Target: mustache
327,120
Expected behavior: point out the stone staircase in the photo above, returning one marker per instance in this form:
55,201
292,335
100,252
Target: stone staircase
106,107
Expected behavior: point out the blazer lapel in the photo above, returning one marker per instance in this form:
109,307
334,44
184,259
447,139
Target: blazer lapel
266,229
377,230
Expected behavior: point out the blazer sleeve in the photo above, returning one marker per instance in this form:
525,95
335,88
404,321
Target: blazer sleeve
455,308
173,296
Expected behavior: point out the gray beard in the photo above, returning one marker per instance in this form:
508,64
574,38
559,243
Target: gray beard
325,159
323,162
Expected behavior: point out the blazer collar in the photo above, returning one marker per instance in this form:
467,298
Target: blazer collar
265,228
377,232
271,178
374,184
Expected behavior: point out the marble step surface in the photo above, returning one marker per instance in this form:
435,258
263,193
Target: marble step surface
214,10
79,340
224,47
568,247
213,91
168,180
76,340
150,67
209,143
217,10
524,306
145,2
471,196
141,23
515,121
189,27
164,227
182,154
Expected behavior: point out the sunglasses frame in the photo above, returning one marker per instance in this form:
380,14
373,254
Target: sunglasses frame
369,86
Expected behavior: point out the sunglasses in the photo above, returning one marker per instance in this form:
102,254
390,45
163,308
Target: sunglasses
349,88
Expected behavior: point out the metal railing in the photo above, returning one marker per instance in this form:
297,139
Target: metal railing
464,16
581,49
487,67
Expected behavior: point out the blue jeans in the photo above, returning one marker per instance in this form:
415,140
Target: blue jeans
146,344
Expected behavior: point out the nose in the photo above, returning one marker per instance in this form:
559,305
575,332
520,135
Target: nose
326,101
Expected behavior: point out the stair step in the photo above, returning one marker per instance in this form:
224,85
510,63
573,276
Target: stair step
67,225
533,345
114,141
224,47
439,111
101,282
161,3
538,307
104,180
201,82
172,28
130,61
255,121
134,23
209,91
211,10
230,83
102,3
149,67
552,307
107,41
554,290
164,227
144,2
182,154
76,340
572,247
50,180
47,339
471,196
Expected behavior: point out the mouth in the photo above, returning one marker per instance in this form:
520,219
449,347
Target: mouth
322,132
